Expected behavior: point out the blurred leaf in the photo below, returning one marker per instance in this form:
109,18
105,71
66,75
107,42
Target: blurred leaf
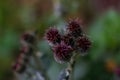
105,34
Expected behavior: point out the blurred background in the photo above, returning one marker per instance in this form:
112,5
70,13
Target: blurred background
100,20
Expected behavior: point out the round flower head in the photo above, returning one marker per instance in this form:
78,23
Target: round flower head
62,52
52,35
83,43
74,28
68,39
28,38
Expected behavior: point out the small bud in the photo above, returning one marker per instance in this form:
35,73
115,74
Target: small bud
74,28
73,25
68,39
62,52
83,43
28,38
52,35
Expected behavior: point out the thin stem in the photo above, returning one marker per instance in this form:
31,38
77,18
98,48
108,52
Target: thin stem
71,65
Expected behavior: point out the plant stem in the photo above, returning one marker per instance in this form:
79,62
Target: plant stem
71,65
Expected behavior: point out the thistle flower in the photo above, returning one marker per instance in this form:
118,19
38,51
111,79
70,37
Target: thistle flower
73,25
52,35
62,52
74,28
28,38
68,39
83,43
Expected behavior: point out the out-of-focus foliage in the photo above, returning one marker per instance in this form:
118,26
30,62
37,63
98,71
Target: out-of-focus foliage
105,35
107,43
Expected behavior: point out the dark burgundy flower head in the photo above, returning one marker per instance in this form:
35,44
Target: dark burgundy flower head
73,25
52,35
68,39
83,43
77,33
74,28
62,52
28,37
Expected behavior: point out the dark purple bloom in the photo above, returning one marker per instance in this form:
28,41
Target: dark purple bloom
73,25
52,35
62,52
29,38
68,39
83,43
74,28
76,33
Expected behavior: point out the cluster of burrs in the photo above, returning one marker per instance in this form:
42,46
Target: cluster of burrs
27,41
27,55
69,42
63,44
